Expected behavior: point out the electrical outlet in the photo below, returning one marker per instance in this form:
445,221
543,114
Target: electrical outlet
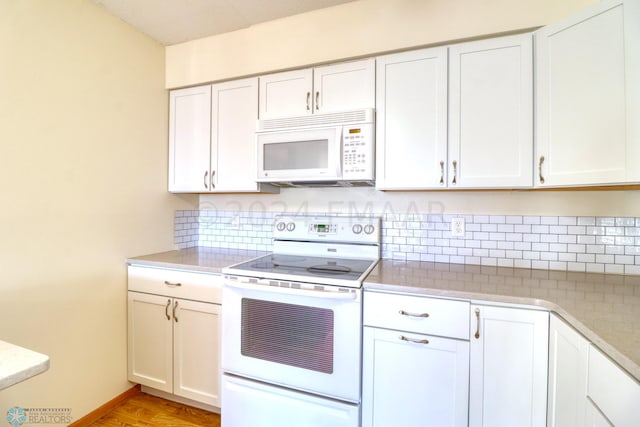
457,227
235,222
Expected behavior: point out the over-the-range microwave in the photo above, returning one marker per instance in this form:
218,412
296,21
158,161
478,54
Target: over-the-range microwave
331,149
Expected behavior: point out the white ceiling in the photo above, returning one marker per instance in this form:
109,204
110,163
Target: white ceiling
177,21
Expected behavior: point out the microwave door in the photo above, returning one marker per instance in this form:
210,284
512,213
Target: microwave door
302,155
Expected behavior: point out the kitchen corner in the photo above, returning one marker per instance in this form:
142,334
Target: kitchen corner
18,364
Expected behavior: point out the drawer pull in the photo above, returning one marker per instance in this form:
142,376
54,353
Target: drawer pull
403,338
166,309
173,285
406,313
477,334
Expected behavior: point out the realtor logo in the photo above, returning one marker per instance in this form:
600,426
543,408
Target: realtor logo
16,416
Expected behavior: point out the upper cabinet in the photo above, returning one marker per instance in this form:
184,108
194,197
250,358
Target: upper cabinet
489,111
211,138
588,91
331,88
411,120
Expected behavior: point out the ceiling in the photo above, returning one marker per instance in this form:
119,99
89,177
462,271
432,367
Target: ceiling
176,21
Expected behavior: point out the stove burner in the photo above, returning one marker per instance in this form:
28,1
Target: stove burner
329,269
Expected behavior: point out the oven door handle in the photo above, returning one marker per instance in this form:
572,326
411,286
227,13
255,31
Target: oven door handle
266,287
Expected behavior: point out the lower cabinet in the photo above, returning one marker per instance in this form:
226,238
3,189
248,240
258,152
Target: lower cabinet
174,343
412,379
593,417
508,370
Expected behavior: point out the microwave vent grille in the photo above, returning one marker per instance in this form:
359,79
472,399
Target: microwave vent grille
339,118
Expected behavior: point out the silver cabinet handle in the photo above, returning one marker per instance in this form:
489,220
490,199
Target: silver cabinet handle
166,309
540,170
173,285
441,172
206,174
213,185
175,306
308,98
406,313
403,338
317,100
477,334
455,172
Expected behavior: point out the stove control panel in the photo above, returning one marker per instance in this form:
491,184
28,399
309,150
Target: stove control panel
338,229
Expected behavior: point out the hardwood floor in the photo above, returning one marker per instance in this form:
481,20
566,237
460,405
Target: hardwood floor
144,410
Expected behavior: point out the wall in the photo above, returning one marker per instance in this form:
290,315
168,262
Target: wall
83,158
359,28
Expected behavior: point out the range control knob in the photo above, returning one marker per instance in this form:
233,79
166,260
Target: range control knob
368,229
357,229
291,226
280,226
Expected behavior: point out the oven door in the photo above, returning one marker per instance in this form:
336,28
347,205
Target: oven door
309,340
301,155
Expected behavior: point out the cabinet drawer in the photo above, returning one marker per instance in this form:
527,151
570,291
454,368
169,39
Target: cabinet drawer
432,316
613,390
174,283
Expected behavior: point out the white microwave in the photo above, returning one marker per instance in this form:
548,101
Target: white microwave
333,149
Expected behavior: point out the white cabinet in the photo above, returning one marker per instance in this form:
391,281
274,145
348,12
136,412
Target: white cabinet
568,356
588,97
411,120
466,125
491,113
330,88
612,390
593,417
173,343
508,369
411,378
212,138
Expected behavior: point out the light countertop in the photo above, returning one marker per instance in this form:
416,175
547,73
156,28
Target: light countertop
605,308
17,364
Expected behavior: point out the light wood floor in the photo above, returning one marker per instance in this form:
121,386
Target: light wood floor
144,410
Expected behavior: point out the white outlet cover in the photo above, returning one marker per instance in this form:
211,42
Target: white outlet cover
457,227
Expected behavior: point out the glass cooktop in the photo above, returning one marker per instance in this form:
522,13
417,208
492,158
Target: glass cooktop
304,268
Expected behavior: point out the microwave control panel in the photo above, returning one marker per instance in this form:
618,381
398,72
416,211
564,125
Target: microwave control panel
357,152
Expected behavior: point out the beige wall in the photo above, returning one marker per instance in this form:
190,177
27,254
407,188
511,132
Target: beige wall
359,28
83,156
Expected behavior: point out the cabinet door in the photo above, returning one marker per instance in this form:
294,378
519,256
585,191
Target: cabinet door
287,94
189,139
491,113
411,128
568,355
580,71
196,351
508,374
420,382
345,86
234,113
150,360
593,417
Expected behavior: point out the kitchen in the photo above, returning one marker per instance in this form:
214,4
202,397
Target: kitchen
88,164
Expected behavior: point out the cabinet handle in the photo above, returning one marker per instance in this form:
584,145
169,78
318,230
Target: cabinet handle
540,170
455,172
441,172
166,309
173,285
406,313
308,98
317,100
477,334
206,174
175,306
213,185
403,338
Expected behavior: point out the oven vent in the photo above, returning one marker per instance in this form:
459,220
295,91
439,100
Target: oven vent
312,120
314,184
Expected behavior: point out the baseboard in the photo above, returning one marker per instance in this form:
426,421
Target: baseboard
179,399
103,410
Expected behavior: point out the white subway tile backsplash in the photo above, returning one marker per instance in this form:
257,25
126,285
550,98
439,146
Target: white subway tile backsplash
568,243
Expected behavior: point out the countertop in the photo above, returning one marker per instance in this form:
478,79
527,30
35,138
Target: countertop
605,308
17,364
